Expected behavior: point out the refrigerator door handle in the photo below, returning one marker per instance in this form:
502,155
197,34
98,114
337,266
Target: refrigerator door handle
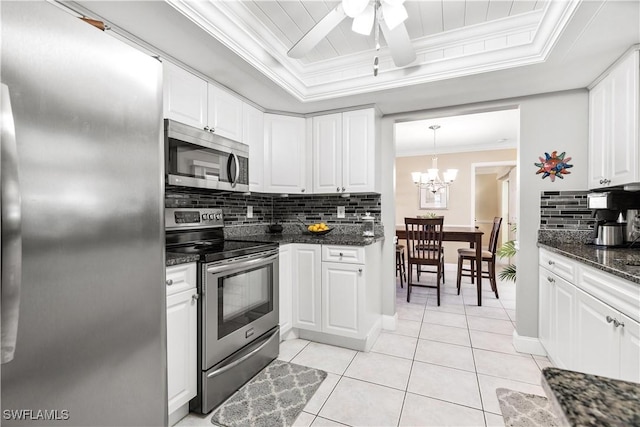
11,231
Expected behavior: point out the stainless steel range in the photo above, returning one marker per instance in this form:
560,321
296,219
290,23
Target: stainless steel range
238,331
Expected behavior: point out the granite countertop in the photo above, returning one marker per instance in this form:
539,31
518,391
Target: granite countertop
621,262
589,400
283,239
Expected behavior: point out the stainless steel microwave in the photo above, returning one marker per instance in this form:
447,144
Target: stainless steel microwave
201,159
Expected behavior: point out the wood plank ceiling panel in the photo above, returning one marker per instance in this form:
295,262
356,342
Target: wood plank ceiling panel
431,17
522,6
279,18
453,14
476,12
540,4
498,9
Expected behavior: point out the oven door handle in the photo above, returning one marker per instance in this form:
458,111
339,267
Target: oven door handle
241,263
235,363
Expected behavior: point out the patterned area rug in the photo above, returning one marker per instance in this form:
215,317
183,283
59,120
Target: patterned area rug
525,410
274,397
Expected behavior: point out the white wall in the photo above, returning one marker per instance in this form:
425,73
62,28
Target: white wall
548,122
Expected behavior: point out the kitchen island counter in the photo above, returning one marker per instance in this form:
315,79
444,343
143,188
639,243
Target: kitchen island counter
581,399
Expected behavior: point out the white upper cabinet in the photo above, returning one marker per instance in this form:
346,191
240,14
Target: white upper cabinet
184,96
614,153
344,152
253,136
286,168
224,113
193,101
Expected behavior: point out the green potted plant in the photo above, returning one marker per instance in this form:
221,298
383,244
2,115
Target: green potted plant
508,250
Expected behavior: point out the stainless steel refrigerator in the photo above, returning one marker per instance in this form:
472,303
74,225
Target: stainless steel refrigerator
83,299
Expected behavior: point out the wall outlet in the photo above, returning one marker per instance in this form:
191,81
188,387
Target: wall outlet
340,211
249,211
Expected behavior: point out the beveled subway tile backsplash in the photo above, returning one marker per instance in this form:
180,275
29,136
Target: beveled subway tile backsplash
269,208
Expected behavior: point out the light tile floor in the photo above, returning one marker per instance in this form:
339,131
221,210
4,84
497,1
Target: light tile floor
440,367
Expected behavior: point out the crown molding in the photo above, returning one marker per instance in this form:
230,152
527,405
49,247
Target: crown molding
510,42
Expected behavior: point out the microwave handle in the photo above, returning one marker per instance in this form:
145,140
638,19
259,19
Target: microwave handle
234,181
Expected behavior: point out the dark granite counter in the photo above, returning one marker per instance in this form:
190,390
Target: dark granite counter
589,400
621,262
327,239
283,239
175,259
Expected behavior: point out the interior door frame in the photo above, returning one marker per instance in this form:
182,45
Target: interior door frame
475,166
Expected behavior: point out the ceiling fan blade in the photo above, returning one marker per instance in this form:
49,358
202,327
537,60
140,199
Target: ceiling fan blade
399,44
318,32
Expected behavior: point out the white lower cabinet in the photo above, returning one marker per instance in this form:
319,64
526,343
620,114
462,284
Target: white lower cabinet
285,290
336,293
182,311
589,324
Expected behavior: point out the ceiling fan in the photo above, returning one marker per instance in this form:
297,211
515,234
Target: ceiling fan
388,15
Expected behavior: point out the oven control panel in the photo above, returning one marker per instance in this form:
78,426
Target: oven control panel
192,218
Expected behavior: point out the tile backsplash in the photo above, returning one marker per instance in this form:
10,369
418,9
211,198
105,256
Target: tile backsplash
268,208
565,210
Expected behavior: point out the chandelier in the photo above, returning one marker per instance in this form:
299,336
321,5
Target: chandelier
431,179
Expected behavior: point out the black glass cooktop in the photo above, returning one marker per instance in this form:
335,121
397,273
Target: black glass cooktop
215,250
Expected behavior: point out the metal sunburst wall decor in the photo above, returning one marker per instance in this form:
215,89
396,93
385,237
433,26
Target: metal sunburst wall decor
553,166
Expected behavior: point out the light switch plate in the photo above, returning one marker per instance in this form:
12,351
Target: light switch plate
249,211
340,211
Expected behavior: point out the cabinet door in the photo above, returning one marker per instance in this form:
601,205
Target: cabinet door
182,312
629,349
327,153
184,96
547,310
253,136
562,319
285,289
599,119
358,151
306,285
285,154
623,124
597,341
342,298
224,113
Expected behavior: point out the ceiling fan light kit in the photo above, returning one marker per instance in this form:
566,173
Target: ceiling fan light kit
387,16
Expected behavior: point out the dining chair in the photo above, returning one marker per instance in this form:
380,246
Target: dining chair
424,248
401,269
489,256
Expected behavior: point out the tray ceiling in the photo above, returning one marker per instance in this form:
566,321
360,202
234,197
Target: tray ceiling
452,38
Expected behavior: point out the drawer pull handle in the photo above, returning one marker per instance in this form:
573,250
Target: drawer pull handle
195,297
609,319
551,262
550,279
169,282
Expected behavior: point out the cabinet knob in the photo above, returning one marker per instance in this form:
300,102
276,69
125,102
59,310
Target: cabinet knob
195,297
360,270
302,190
609,319
552,262
169,282
550,279
343,189
601,181
617,323
212,130
207,128
340,254
338,189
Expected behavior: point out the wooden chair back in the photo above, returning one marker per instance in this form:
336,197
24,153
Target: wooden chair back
493,239
424,240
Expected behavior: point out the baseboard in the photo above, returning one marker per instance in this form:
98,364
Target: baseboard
529,345
178,414
389,323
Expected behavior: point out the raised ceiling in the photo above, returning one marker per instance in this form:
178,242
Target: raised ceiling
596,34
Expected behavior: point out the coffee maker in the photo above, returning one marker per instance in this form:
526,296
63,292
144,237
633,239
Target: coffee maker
617,217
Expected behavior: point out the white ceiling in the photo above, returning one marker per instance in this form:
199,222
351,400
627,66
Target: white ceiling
471,132
596,33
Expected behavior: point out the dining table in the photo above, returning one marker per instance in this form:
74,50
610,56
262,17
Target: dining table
459,234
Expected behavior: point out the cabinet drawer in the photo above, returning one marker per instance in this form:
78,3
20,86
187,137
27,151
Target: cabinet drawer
558,264
180,278
347,254
616,292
